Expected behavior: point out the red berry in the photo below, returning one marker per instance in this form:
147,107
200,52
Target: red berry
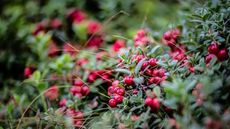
111,90
161,72
167,35
209,57
155,80
63,102
75,89
155,72
153,62
223,54
78,82
112,103
79,95
155,104
141,33
27,72
79,115
148,101
85,90
148,72
118,98
78,123
213,48
144,65
120,91
92,77
128,80
71,112
135,91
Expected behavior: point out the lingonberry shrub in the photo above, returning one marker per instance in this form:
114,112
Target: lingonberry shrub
87,77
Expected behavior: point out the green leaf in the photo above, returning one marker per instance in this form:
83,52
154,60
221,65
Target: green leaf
139,65
123,71
157,91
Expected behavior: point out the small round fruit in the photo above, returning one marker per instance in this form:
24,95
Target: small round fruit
112,103
118,98
148,101
120,91
213,48
128,80
85,90
223,54
155,104
209,57
153,62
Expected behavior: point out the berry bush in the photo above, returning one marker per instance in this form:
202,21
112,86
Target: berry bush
115,64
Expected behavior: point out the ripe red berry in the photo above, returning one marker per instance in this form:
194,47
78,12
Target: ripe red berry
148,101
63,102
148,72
112,103
92,77
144,65
120,91
161,72
78,82
128,80
153,62
155,104
155,80
141,33
27,72
167,35
75,89
209,57
213,48
85,90
118,98
223,54
111,90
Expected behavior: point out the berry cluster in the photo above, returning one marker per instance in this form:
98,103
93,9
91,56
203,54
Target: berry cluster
77,116
116,93
153,103
79,89
141,38
171,37
214,51
52,93
118,44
